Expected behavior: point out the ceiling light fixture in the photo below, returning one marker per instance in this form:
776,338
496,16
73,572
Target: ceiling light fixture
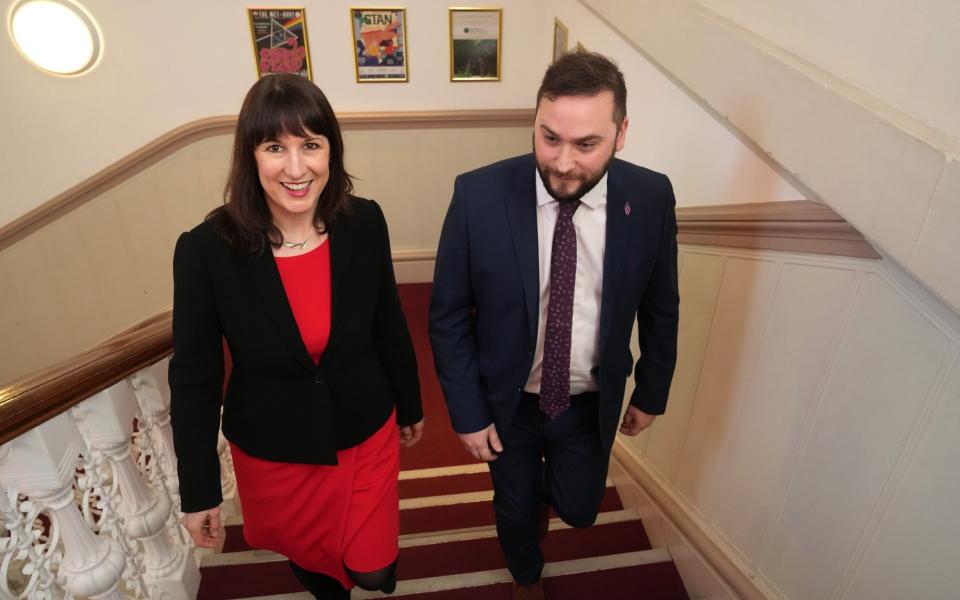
57,36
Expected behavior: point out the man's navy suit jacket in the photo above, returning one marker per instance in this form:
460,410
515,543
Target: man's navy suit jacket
484,311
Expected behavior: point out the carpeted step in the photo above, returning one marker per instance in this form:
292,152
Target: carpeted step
655,581
454,557
451,558
470,514
421,483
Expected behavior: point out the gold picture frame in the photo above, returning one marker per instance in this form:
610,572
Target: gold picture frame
279,37
560,37
476,43
380,44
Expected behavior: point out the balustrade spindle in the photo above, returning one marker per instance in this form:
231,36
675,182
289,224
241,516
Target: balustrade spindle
106,421
153,396
41,464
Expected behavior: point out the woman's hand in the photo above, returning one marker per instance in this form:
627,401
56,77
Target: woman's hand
205,527
411,434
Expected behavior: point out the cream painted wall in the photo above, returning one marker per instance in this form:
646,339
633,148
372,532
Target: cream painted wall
903,53
815,432
886,171
160,71
669,132
170,63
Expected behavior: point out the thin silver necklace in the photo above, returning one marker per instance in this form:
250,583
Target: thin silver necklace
299,245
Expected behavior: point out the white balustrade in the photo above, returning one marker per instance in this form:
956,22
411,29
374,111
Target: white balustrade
153,395
29,551
41,465
89,503
106,422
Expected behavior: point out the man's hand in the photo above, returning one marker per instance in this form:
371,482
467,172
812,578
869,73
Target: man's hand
411,434
205,527
484,444
635,421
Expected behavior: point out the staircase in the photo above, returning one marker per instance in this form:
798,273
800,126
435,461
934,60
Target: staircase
448,543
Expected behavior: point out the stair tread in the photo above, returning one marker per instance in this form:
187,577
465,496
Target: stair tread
657,581
472,514
484,554
647,572
451,484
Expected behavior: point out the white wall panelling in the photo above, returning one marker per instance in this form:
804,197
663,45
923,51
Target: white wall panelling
809,425
699,283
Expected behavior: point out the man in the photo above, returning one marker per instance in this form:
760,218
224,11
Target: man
544,262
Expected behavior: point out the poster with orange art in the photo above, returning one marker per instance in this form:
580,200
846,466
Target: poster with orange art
280,41
380,43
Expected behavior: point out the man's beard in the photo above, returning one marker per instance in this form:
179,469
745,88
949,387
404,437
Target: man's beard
586,183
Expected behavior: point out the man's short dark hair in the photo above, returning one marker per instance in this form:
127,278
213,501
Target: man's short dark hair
583,73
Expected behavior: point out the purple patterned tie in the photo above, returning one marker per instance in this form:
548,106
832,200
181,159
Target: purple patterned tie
555,377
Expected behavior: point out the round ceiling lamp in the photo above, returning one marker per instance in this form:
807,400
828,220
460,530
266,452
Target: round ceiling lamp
57,36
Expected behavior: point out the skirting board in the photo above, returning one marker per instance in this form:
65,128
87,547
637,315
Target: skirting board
414,265
708,567
413,271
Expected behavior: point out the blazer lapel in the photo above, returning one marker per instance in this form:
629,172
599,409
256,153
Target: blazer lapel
616,247
341,253
521,203
268,282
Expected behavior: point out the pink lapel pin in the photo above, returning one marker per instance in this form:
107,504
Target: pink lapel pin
626,208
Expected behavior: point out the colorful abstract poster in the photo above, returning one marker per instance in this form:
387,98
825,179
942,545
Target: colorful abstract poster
280,41
380,43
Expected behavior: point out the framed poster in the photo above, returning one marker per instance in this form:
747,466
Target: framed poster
475,44
560,35
280,41
379,43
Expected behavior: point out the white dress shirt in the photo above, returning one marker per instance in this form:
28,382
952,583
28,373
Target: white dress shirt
590,223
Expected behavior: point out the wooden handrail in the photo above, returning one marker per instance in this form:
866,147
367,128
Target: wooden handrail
34,399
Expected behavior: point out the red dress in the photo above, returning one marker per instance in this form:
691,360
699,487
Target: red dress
319,516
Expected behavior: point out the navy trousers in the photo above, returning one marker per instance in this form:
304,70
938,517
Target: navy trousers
560,462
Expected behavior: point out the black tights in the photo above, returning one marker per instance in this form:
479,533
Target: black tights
324,587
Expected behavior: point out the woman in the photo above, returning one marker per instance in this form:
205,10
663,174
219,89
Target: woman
296,275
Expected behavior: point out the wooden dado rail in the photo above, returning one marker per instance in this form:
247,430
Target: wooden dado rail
195,131
794,226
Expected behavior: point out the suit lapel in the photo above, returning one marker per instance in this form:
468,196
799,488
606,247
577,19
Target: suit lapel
521,204
615,249
268,282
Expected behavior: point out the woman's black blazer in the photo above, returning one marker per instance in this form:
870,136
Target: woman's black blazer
279,405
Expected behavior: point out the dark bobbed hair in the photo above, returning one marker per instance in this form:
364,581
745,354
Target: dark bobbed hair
584,73
276,105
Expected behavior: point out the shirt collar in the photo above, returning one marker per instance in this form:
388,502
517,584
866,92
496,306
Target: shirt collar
592,199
